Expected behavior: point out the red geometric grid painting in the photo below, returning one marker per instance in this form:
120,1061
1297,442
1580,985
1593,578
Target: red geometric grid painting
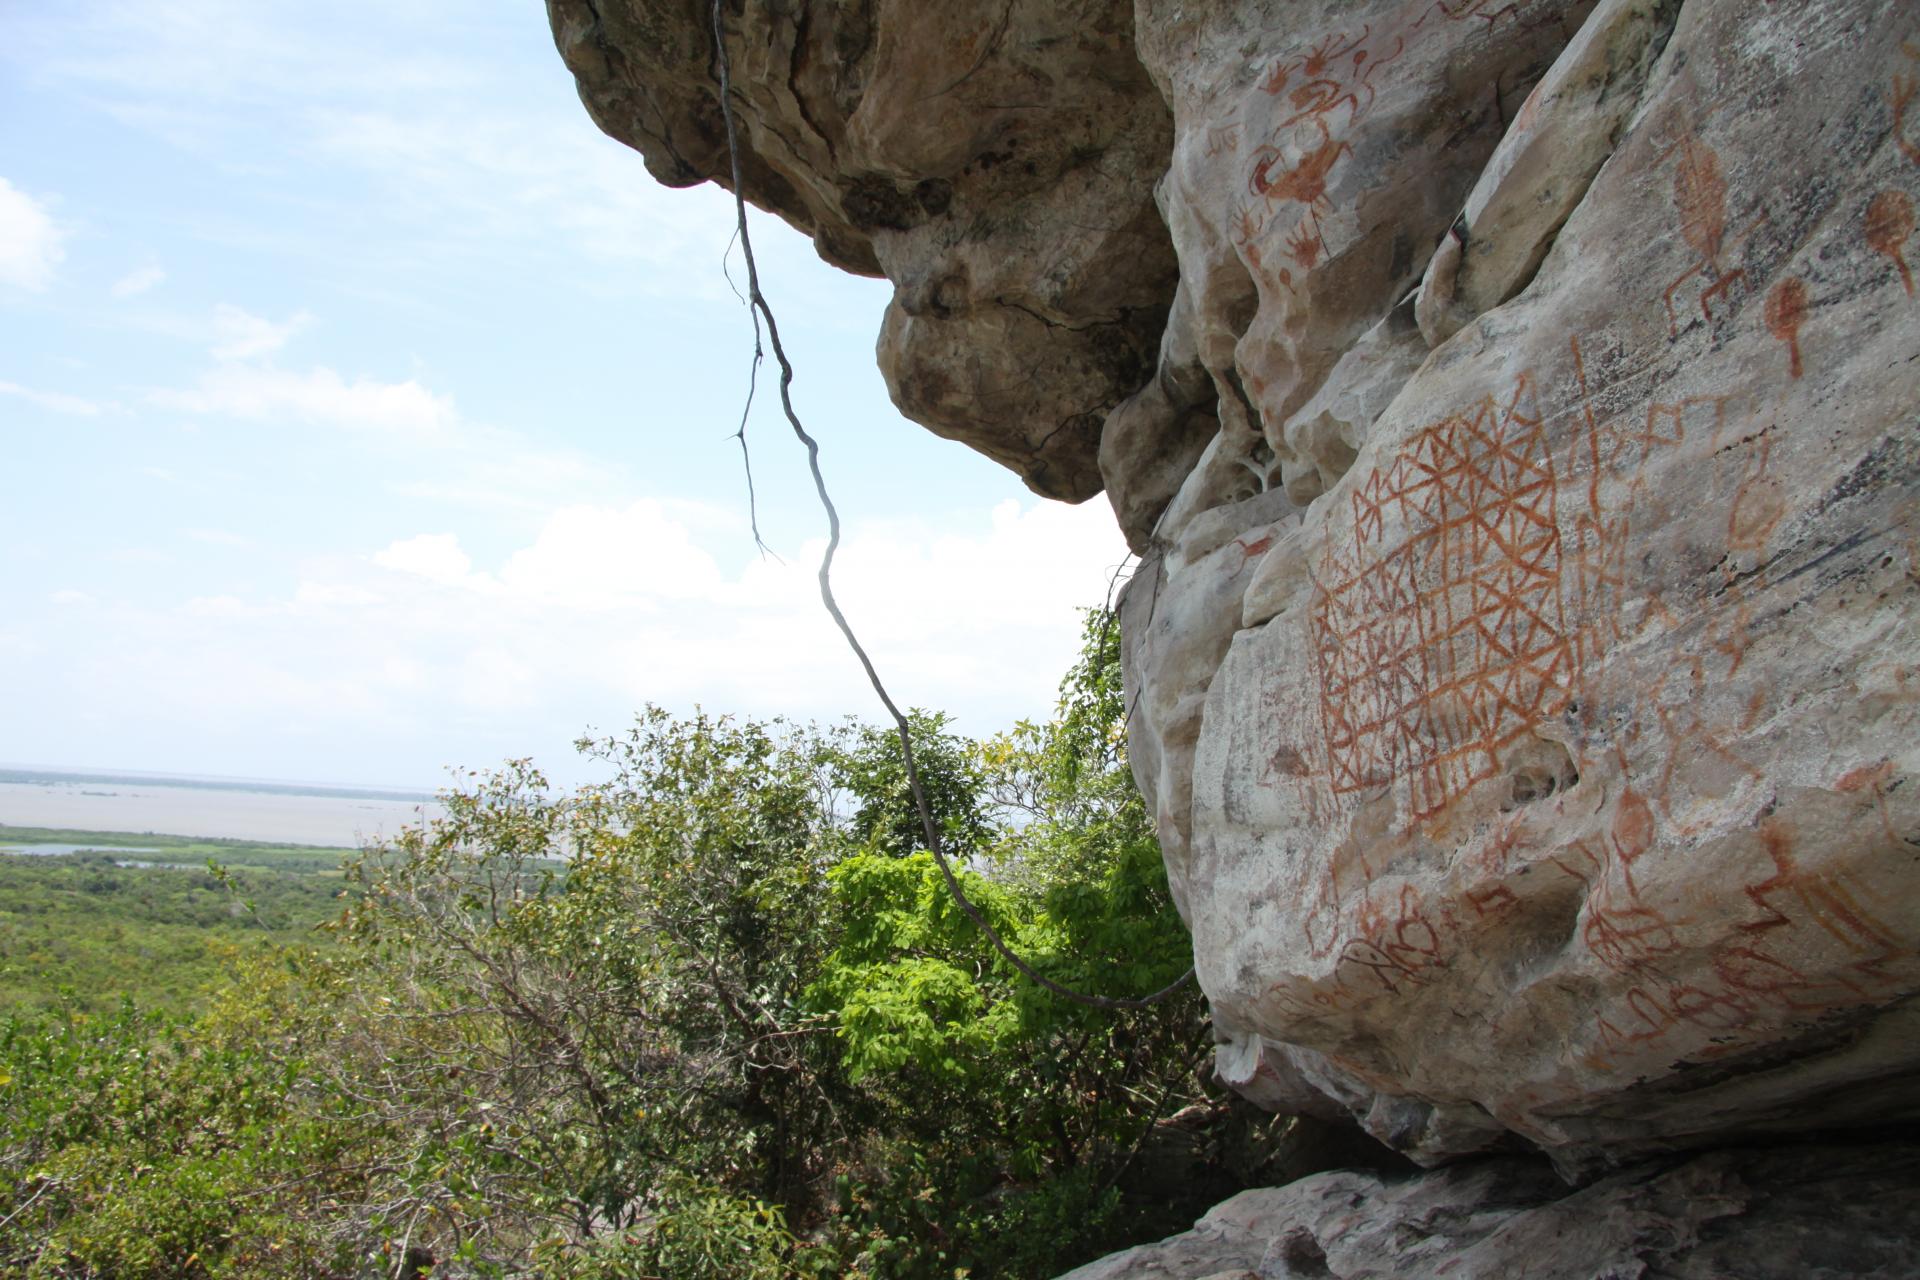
1437,627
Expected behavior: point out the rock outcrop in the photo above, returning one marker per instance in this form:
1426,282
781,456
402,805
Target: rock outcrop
1516,406
995,161
1807,1214
1555,779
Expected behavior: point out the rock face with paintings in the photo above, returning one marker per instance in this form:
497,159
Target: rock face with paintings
1516,407
1555,774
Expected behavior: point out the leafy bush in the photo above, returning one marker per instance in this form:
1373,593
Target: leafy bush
717,1016
687,1232
142,1145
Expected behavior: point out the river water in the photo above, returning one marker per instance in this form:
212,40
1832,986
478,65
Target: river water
62,850
280,813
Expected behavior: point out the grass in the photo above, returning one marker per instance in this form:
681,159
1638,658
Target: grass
81,928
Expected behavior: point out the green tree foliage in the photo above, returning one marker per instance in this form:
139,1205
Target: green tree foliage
623,966
952,775
82,930
717,1016
147,1145
1023,1108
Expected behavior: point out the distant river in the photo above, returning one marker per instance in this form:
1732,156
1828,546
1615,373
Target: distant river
62,850
224,808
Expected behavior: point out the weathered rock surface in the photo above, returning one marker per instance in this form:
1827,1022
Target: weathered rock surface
1557,777
1517,406
1816,1213
995,161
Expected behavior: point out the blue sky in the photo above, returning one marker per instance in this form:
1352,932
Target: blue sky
365,412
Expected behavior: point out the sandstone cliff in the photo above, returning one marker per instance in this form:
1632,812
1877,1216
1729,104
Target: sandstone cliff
1514,405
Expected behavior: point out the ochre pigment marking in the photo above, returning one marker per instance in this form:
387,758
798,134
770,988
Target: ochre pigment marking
1327,90
1889,221
1786,312
1437,624
1758,506
1700,198
1826,899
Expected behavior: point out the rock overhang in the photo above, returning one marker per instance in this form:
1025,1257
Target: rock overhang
1514,404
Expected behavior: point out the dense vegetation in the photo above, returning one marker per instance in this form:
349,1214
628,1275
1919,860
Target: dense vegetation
143,917
716,1017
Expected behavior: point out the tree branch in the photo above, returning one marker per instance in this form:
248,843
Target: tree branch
758,305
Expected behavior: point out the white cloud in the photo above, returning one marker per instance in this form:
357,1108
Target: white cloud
497,469
224,607
52,401
606,607
524,599
319,396
599,558
241,335
437,557
496,678
320,595
415,438
30,243
138,281
231,53
564,178
67,596
440,124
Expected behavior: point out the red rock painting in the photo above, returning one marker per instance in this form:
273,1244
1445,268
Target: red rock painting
1889,223
1325,90
1700,198
1437,623
1906,85
1786,313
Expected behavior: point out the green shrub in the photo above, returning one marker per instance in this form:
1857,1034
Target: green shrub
686,1231
716,1016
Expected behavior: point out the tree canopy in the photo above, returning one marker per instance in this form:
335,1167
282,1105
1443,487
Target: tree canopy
715,1016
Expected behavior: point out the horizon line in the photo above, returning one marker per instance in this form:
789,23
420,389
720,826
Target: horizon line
90,773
